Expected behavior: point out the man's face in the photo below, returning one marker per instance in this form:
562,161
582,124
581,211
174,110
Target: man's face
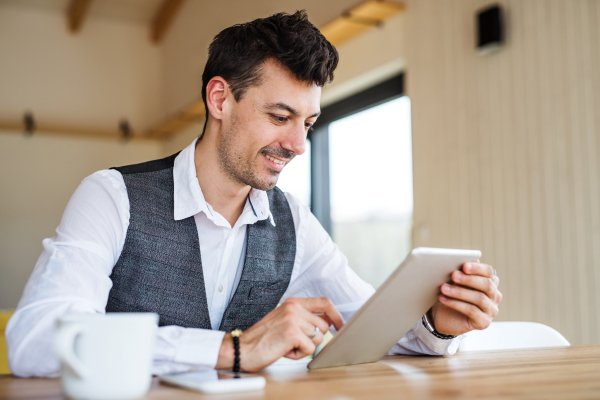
267,128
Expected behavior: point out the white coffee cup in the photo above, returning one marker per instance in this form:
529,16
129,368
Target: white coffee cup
106,356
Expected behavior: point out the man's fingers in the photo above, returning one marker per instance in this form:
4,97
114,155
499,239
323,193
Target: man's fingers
477,318
309,327
303,347
322,321
326,319
485,285
295,308
496,281
471,296
322,305
477,268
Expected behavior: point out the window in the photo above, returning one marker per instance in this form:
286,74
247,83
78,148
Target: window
295,177
370,163
361,146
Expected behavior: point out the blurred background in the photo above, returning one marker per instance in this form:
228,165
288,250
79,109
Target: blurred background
428,136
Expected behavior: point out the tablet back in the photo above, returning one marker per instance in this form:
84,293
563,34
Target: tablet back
398,304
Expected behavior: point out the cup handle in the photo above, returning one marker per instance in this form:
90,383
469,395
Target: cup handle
64,346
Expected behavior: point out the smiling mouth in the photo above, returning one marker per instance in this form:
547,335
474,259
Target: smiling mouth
275,160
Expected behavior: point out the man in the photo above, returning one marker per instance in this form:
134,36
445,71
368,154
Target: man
205,239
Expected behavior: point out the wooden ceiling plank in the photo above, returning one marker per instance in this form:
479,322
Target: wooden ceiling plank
359,19
76,14
342,29
377,10
164,18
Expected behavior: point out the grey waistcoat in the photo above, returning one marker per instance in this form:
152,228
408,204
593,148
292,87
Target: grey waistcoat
160,267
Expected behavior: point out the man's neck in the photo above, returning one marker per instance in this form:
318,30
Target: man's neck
224,195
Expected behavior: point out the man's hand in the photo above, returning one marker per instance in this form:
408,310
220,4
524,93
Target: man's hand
282,333
470,302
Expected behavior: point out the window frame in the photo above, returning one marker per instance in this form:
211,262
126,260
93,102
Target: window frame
320,192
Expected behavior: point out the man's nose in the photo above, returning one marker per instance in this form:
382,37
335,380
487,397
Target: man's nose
295,140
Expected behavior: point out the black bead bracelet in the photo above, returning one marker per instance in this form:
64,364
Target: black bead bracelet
236,347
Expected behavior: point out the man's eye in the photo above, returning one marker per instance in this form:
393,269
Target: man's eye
309,127
279,119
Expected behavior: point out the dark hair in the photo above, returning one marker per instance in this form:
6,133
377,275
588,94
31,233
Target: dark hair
237,53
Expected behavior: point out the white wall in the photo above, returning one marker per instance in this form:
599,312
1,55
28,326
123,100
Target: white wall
37,177
107,72
506,151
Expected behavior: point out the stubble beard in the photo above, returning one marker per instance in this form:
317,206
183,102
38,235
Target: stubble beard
240,167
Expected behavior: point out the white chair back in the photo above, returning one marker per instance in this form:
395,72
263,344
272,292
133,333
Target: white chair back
512,335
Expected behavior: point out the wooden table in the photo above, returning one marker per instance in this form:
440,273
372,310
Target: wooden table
557,373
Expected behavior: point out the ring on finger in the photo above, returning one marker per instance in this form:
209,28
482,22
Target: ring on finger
315,332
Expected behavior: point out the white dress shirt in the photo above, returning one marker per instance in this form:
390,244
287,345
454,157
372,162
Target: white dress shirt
73,272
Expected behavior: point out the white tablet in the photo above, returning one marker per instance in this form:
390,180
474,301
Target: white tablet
398,304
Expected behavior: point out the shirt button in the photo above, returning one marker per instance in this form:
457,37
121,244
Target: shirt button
60,255
220,288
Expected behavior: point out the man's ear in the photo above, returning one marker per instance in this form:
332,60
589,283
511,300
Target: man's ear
217,90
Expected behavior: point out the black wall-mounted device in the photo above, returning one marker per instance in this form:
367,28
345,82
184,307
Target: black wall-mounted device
490,29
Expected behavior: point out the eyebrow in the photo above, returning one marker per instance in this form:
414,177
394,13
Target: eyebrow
283,106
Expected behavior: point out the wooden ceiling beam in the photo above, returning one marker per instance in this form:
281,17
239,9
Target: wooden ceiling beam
361,18
76,13
163,19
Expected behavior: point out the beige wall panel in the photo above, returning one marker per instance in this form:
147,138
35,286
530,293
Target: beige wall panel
523,246
38,175
529,130
505,150
182,139
90,81
591,33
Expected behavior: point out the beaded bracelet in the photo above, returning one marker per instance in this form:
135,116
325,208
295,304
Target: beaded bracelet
235,334
431,329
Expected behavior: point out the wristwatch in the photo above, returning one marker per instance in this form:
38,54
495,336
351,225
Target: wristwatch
431,329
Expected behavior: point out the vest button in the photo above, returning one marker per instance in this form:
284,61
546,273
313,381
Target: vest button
220,288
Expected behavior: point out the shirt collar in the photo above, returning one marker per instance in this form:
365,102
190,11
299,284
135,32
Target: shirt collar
189,199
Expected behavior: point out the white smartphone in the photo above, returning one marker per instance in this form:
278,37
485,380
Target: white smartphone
214,381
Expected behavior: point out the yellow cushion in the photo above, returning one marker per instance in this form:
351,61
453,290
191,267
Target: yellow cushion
4,317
